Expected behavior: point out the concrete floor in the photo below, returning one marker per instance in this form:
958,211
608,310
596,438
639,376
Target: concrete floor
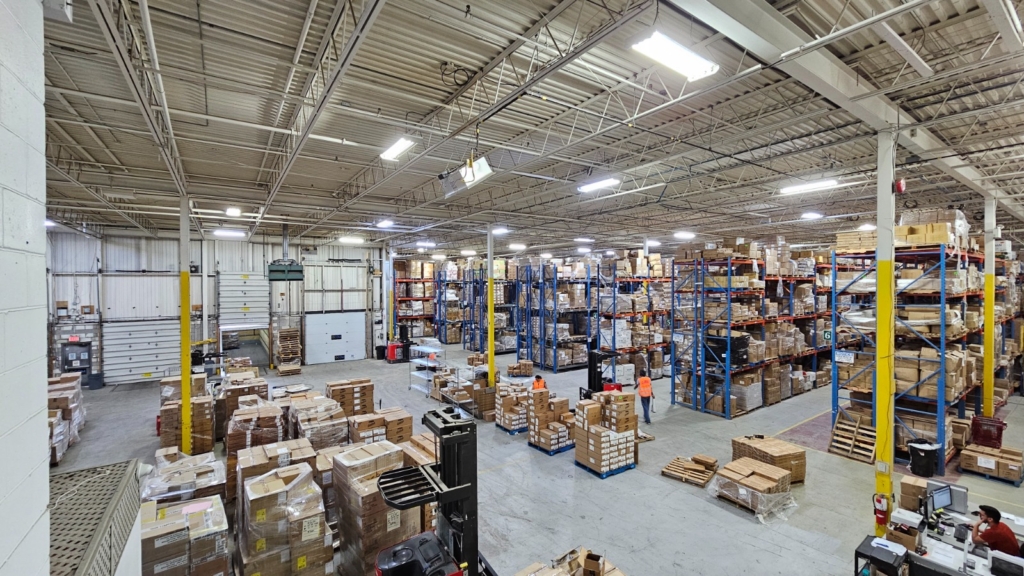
534,507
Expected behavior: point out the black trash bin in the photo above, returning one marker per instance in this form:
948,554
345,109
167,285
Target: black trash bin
924,458
381,352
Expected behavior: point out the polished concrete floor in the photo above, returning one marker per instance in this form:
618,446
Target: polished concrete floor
534,506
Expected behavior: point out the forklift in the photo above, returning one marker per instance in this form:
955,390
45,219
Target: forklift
595,381
454,549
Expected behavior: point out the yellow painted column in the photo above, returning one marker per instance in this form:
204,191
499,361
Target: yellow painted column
989,335
885,385
186,327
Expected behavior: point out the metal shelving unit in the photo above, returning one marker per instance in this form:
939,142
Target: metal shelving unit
850,399
683,322
535,286
609,279
442,284
423,368
475,330
401,286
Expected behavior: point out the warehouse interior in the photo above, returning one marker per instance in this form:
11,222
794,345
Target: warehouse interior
534,287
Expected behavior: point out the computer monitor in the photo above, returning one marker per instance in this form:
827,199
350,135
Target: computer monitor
958,493
1005,565
941,498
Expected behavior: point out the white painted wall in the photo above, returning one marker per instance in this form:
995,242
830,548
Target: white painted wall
24,450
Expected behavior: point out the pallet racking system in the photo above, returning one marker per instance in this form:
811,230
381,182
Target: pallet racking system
401,287
537,286
929,287
713,326
475,326
613,314
445,286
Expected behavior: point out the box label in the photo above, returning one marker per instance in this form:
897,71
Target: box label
169,539
394,519
261,515
261,544
989,463
311,528
171,564
300,562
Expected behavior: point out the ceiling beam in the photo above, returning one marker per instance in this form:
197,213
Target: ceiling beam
334,61
758,27
1004,18
903,49
138,221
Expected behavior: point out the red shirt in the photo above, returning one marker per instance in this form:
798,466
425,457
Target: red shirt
1001,538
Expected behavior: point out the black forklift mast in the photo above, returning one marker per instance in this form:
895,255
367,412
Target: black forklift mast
595,383
452,483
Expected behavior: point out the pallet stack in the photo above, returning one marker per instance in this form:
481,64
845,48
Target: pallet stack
605,433
178,478
549,420
259,460
187,538
320,421
65,394
510,408
248,427
697,470
289,351
202,424
751,483
772,451
60,436
355,396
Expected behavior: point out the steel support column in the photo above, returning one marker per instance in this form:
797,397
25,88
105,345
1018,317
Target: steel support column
989,365
186,328
491,379
885,384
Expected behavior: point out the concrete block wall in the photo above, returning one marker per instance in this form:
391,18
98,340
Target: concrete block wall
24,450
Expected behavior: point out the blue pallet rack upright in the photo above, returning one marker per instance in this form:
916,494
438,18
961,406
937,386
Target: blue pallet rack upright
538,285
683,324
608,309
442,285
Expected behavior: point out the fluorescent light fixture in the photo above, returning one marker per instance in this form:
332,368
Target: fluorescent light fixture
49,223
546,255
584,240
228,233
397,149
438,256
468,252
351,240
517,246
500,230
809,187
480,171
583,250
867,227
421,250
811,216
653,243
606,183
609,252
676,57
426,243
233,212
685,235
385,224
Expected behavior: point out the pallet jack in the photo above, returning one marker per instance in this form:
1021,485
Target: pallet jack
595,382
454,549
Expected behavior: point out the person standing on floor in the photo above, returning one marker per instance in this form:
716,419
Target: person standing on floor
539,383
643,383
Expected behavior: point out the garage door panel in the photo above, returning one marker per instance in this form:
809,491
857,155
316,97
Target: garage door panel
243,301
140,351
335,337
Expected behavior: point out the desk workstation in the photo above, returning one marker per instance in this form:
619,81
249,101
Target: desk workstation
934,537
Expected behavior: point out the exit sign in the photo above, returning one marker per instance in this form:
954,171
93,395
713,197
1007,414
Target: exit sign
73,338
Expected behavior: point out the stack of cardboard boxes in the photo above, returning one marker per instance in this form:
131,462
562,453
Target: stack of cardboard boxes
354,396
367,428
65,394
259,460
226,401
419,451
170,388
251,426
772,451
202,424
510,407
749,483
521,368
913,491
1005,463
366,524
321,421
323,475
178,478
283,529
549,420
397,424
60,435
187,539
605,432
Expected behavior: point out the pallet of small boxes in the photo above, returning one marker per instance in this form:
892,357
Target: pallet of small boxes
549,421
354,396
578,562
761,488
178,477
520,369
65,404
1003,463
185,539
256,422
202,424
605,433
511,409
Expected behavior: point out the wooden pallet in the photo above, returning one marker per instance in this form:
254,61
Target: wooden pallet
686,470
289,369
853,440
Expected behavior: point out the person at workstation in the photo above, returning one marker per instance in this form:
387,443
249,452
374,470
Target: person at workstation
539,383
643,384
997,535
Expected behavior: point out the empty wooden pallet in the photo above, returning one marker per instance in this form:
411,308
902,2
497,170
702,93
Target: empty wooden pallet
689,471
853,440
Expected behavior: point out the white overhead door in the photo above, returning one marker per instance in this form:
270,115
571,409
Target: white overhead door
335,337
243,301
140,351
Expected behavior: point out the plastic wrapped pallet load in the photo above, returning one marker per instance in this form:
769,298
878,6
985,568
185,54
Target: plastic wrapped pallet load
365,523
756,486
772,451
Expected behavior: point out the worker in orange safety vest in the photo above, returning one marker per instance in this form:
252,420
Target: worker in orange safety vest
643,383
539,383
